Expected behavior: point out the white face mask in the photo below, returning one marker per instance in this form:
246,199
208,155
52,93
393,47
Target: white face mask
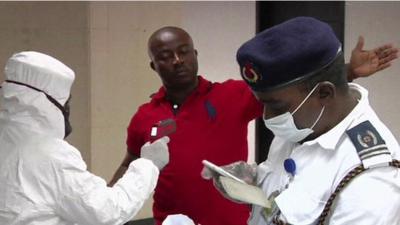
283,126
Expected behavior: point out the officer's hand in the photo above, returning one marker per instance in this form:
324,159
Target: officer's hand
240,169
364,63
157,152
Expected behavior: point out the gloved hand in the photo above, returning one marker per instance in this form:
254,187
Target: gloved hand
157,152
240,169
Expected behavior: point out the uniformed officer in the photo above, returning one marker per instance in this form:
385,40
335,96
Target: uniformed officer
332,160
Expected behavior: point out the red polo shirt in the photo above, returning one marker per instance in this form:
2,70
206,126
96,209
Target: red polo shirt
211,124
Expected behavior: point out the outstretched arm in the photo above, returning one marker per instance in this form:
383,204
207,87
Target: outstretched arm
364,63
122,168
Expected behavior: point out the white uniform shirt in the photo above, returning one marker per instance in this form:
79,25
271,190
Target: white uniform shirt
43,179
372,198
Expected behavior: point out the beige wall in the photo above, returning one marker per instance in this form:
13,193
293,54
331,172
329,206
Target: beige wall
218,30
121,77
60,30
105,43
120,66
378,22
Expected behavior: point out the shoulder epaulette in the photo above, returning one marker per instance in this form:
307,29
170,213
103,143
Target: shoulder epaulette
370,146
372,151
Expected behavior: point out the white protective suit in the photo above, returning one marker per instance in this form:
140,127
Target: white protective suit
43,179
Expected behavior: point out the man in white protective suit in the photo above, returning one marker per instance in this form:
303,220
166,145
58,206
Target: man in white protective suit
43,179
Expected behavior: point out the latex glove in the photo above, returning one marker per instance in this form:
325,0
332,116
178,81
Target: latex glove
364,63
157,152
240,169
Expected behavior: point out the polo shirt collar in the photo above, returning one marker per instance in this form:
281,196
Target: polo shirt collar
330,139
202,87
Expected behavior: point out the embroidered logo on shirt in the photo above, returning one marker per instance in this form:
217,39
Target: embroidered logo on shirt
212,112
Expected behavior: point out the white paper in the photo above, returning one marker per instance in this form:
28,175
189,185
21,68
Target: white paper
211,166
178,219
245,193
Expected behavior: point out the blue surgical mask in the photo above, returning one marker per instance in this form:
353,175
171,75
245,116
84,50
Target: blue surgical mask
283,125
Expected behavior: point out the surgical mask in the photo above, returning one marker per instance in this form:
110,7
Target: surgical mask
67,124
283,126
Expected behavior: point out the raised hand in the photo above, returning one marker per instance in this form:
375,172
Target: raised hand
364,63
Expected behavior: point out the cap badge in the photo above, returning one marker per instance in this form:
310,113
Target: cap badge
249,73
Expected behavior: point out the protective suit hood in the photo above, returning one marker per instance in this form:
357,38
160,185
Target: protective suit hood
43,179
23,105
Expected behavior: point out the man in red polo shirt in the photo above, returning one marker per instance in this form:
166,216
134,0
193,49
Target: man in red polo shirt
211,123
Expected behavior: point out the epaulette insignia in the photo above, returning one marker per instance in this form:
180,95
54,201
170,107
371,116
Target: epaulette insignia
367,141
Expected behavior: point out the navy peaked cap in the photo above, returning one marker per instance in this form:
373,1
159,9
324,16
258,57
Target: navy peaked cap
287,53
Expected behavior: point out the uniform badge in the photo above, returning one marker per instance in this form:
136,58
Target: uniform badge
367,139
